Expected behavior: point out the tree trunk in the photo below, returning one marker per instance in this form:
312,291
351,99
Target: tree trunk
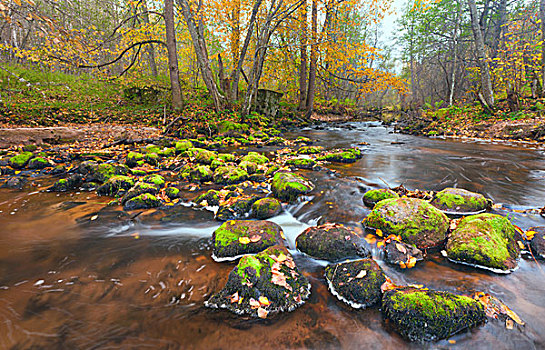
196,30
303,63
487,95
542,17
150,49
455,59
172,55
313,58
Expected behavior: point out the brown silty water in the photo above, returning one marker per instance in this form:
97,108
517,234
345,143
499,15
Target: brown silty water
75,274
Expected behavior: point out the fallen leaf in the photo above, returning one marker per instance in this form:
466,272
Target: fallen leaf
378,232
281,257
452,341
262,313
530,235
94,217
254,303
234,298
361,274
255,238
264,301
412,261
401,248
244,240
509,324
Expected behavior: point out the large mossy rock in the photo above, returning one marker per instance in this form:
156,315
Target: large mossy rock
116,185
236,208
537,244
238,237
310,150
426,315
229,175
101,172
254,157
201,173
460,201
332,242
288,186
19,161
262,284
414,220
143,201
301,163
350,155
38,163
486,241
203,156
138,189
372,197
64,185
266,208
210,198
356,283
229,128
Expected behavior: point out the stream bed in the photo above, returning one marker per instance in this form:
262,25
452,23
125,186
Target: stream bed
75,274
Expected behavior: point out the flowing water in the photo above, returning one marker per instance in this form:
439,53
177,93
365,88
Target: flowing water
75,274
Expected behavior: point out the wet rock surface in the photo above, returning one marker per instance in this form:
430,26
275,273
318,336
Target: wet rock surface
263,284
238,237
288,186
266,208
426,315
401,254
356,283
332,242
537,244
414,220
484,240
372,197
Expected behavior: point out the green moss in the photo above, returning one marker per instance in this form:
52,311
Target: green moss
265,208
460,200
372,197
172,192
486,240
229,175
38,163
216,163
249,167
183,145
143,201
232,128
254,157
249,262
105,171
137,172
167,152
152,158
431,305
226,157
302,139
19,161
287,186
310,150
303,163
211,197
228,233
343,156
202,155
154,179
201,173
152,149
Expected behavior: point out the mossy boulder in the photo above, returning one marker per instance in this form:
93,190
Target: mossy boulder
275,141
154,179
172,192
226,157
167,152
203,156
332,242
152,158
416,221
115,185
460,201
209,198
139,188
152,149
427,315
249,167
38,163
216,163
263,284
64,185
235,208
20,161
229,128
255,157
310,150
266,208
133,159
303,140
350,155
201,173
537,244
301,163
357,283
183,145
288,186
372,197
102,172
486,241
238,237
143,201
228,175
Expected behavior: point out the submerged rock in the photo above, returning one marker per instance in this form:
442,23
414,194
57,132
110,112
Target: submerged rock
266,208
372,197
332,242
537,244
356,283
459,201
287,186
229,175
14,183
485,240
426,315
238,237
70,183
143,201
401,254
262,284
210,198
414,220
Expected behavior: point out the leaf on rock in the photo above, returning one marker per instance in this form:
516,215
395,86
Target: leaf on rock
401,248
264,301
244,240
361,274
262,313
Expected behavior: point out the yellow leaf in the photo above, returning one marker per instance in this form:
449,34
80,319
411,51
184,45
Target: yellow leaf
244,240
264,301
378,232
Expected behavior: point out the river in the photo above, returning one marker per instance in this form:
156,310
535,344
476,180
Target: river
75,274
